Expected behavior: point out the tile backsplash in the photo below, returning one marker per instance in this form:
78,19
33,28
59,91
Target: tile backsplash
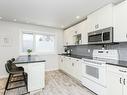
86,50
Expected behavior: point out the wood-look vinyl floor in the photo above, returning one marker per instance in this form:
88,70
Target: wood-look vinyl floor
57,83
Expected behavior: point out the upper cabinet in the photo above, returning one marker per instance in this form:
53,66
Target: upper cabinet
120,22
76,35
101,18
68,38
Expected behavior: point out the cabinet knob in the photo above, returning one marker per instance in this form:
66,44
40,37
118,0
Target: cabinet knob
124,82
120,80
75,32
72,64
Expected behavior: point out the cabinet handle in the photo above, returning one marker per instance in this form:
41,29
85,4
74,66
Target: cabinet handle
124,82
120,80
75,32
123,71
72,64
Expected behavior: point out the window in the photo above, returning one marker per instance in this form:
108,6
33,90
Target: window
44,42
27,42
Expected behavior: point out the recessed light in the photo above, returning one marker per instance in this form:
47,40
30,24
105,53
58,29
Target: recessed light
27,22
1,17
78,17
14,19
62,26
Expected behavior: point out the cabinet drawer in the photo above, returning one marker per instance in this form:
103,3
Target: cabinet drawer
117,69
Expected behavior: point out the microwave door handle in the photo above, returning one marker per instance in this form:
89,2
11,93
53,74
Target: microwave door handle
102,37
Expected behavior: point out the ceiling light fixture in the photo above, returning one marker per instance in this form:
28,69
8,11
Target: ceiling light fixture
27,22
1,17
62,26
14,20
78,17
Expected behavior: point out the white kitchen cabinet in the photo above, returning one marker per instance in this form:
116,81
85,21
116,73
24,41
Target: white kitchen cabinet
101,18
120,22
36,75
72,66
61,62
113,84
77,68
68,37
116,80
84,32
72,32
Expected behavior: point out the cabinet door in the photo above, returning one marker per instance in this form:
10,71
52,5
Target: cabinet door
61,61
71,67
120,22
68,36
77,69
101,18
84,32
92,21
105,17
125,85
114,84
65,68
36,76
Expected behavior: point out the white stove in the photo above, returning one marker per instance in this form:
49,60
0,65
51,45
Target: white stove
94,70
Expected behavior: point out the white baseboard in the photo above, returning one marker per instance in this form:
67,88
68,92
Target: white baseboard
52,69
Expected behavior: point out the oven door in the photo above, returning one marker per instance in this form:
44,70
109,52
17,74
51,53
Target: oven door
95,72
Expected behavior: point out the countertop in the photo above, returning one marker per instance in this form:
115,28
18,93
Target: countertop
29,59
120,63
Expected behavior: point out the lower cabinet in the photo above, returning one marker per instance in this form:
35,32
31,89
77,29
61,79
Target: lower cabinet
72,66
36,75
114,84
116,80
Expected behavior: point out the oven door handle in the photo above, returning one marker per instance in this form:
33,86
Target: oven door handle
93,63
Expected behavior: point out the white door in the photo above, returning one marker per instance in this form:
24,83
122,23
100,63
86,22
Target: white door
114,84
120,22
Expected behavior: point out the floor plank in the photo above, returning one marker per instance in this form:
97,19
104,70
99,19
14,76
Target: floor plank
57,83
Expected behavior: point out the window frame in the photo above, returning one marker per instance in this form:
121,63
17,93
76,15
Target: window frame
34,42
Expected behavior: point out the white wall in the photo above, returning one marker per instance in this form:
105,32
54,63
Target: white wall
13,30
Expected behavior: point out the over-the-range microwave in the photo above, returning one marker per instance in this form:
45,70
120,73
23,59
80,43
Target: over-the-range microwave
102,36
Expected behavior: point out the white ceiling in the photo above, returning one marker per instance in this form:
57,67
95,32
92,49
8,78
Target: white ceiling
54,13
